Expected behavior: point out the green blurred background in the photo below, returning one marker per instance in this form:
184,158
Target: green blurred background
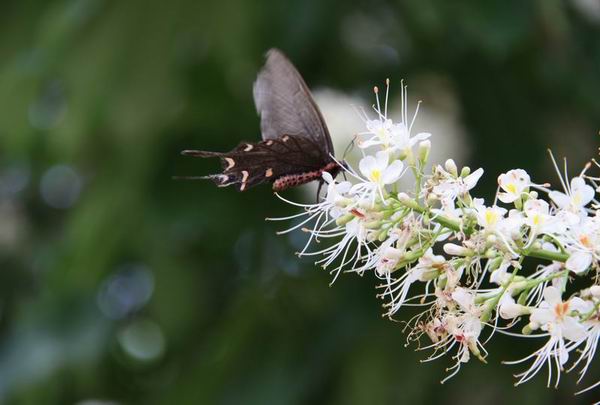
120,285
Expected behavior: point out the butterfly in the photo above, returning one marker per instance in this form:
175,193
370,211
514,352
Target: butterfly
296,146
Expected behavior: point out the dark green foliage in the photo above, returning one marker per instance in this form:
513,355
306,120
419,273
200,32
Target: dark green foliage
146,290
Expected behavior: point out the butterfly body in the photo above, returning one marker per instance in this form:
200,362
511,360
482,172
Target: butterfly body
296,146
293,180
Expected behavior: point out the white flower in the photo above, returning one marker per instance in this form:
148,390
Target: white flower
396,290
401,139
428,266
565,331
510,226
587,354
501,275
509,309
354,231
388,259
335,191
582,242
464,330
391,136
452,187
488,217
395,137
466,300
513,183
336,197
377,170
552,316
381,131
538,218
378,173
577,196
467,334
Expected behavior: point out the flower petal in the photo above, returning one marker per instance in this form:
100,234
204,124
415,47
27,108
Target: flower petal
472,179
542,316
367,164
572,329
579,261
382,159
507,198
560,199
552,295
392,172
581,306
464,298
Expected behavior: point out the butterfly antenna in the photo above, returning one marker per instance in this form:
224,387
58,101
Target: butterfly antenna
190,177
349,147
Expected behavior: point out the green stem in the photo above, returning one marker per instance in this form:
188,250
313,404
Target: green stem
440,219
548,255
455,226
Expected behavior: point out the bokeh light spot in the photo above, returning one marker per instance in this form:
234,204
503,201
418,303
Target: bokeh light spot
60,186
142,340
126,292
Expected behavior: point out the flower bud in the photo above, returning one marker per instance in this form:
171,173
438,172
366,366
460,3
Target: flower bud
424,148
509,309
451,167
402,155
343,220
383,234
595,290
465,171
527,329
372,224
491,253
427,275
403,197
518,204
494,263
457,250
486,315
475,351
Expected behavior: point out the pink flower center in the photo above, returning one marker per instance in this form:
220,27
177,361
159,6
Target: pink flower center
561,309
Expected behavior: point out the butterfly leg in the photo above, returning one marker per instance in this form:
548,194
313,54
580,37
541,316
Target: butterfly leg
319,190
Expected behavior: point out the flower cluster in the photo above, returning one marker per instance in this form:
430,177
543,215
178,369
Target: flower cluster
462,260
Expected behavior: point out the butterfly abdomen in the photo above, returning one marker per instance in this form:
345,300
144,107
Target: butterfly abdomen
293,180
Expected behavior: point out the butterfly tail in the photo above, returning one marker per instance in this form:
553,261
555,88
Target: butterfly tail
201,153
233,174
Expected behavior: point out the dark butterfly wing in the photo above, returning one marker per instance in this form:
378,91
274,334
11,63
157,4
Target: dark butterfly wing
250,164
296,146
286,106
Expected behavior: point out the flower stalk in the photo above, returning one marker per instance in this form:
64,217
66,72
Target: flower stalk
481,284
